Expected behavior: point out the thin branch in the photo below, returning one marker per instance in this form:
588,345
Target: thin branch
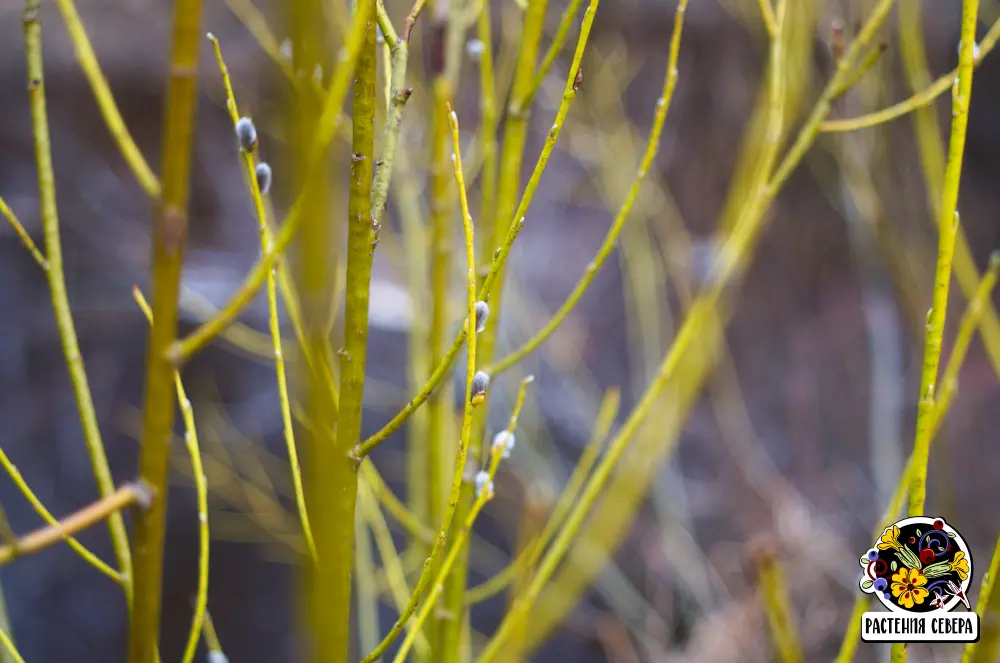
127,495
169,240
611,238
201,491
106,100
23,235
949,221
57,287
327,126
272,300
920,99
460,541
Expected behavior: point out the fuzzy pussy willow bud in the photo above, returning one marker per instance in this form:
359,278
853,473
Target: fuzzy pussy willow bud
482,315
504,442
246,133
263,174
480,383
484,483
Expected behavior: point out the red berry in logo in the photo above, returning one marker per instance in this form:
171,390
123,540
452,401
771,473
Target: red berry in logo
926,556
913,540
938,524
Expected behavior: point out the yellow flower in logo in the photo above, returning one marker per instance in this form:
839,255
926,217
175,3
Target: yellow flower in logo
960,565
908,587
889,539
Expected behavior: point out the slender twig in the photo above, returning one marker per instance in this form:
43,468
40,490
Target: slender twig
57,287
272,300
327,126
611,238
127,495
932,161
487,136
256,24
470,403
211,637
411,18
9,646
414,403
459,542
23,235
398,94
502,251
509,176
440,428
949,385
920,99
555,48
948,224
365,579
105,99
460,502
7,536
777,605
702,313
8,654
767,13
170,234
280,272
385,24
394,570
873,56
568,495
987,607
51,520
201,490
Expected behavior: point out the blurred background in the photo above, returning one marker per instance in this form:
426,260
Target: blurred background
797,438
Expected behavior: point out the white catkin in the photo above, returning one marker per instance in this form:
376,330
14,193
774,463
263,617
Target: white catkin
506,441
246,132
480,383
482,315
483,482
475,49
263,173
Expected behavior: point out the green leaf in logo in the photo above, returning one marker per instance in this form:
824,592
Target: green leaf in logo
893,565
867,584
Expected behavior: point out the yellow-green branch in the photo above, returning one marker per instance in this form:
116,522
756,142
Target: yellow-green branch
105,100
946,248
266,241
57,288
201,490
778,607
460,541
169,239
611,238
51,520
502,251
920,99
326,127
29,544
23,235
949,386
